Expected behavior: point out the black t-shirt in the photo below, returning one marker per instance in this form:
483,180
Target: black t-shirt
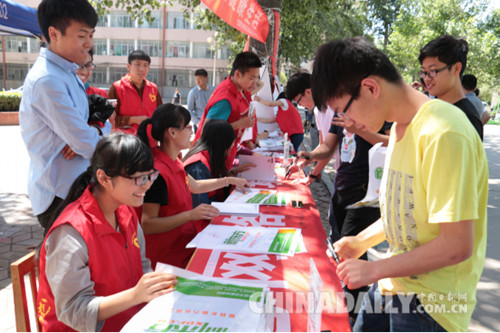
158,192
353,154
470,111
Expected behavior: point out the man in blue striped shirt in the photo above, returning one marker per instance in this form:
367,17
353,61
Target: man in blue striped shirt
54,108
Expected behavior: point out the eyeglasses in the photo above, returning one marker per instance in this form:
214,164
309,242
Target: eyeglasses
141,180
298,101
353,96
88,66
432,73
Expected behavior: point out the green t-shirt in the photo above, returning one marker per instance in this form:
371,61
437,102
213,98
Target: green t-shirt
437,173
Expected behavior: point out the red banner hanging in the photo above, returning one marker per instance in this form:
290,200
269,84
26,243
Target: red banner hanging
244,15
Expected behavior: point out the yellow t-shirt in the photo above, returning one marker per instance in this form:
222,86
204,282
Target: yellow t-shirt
437,173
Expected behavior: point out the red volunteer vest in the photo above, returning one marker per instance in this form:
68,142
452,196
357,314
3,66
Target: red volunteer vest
114,259
239,104
96,91
170,247
131,104
289,121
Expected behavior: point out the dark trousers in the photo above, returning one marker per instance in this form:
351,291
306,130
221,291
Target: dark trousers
350,222
45,217
296,140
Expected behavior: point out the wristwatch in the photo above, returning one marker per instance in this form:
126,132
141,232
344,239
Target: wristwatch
315,177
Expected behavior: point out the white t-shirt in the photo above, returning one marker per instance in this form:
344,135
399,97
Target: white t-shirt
323,120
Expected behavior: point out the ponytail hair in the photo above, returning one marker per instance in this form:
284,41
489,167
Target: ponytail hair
164,117
216,138
116,154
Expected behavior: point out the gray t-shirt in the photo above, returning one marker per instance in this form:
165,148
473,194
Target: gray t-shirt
477,103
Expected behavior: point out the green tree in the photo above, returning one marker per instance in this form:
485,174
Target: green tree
381,16
305,24
420,21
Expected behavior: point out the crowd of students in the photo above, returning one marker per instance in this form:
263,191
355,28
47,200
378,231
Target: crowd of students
114,205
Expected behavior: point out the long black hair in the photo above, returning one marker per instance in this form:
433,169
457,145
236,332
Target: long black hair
164,117
217,137
116,154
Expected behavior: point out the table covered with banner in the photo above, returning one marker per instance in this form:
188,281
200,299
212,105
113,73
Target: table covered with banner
243,283
306,293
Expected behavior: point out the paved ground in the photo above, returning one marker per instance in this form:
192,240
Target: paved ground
19,230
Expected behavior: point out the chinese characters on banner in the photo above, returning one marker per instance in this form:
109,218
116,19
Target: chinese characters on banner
244,15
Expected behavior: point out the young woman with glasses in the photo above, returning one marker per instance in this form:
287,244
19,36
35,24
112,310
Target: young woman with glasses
168,218
94,275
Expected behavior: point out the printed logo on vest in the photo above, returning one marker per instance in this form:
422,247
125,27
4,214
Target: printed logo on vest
152,97
135,241
42,310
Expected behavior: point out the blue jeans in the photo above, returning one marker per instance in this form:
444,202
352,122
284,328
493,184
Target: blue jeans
390,314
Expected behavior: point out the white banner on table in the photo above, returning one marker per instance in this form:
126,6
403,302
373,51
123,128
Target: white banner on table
264,169
202,304
237,209
282,241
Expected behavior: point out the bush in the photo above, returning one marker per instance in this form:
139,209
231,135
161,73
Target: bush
9,101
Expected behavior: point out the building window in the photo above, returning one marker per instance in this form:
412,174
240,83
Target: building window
116,73
177,50
156,24
151,47
177,21
177,78
202,50
17,72
16,44
99,77
154,75
121,20
100,47
35,46
103,21
224,54
121,47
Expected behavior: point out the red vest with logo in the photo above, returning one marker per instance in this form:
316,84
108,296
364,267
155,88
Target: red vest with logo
96,91
239,105
289,121
170,247
114,259
131,104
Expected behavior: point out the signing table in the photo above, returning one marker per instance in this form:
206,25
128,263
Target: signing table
307,293
288,286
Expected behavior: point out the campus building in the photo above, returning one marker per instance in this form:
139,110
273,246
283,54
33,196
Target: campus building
186,49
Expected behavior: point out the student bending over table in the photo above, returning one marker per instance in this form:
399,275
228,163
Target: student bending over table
94,275
168,218
206,159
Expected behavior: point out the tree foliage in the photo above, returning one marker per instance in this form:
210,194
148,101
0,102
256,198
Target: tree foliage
400,27
421,21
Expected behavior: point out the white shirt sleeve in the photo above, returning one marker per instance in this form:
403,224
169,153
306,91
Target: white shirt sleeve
285,104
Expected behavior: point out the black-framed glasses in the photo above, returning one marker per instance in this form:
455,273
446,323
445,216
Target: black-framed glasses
88,66
432,73
142,179
353,96
298,101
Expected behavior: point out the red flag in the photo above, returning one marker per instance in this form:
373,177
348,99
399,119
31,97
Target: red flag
244,15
